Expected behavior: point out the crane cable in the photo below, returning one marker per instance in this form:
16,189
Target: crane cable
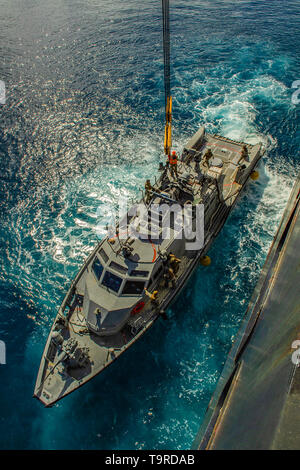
168,97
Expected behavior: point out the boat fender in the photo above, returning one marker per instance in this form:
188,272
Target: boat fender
254,175
139,306
205,260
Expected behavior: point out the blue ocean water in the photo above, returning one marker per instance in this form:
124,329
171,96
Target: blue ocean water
83,124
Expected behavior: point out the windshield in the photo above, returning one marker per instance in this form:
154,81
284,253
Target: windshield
97,268
118,267
136,273
112,281
134,287
103,255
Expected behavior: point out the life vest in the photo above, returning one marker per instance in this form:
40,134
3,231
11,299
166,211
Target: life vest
173,159
139,306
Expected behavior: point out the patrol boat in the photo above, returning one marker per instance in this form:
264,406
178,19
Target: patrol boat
128,281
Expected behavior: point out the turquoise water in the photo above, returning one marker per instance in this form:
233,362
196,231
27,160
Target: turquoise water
83,124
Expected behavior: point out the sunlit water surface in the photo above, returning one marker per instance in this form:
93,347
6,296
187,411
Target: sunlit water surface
83,124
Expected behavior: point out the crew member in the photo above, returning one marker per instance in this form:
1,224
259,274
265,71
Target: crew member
244,154
174,262
152,296
169,277
148,190
207,156
173,159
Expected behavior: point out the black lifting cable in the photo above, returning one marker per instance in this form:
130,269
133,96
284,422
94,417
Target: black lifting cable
166,47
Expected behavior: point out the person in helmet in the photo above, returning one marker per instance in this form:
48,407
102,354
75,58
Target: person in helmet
174,262
173,159
244,154
152,296
169,278
207,156
148,191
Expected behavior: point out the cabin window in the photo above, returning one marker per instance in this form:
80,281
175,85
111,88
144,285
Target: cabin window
112,281
137,273
103,255
133,287
97,268
118,267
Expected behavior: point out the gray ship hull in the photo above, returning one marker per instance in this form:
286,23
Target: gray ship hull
256,402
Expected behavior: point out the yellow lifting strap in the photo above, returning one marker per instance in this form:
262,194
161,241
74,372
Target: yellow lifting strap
168,129
168,97
169,109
